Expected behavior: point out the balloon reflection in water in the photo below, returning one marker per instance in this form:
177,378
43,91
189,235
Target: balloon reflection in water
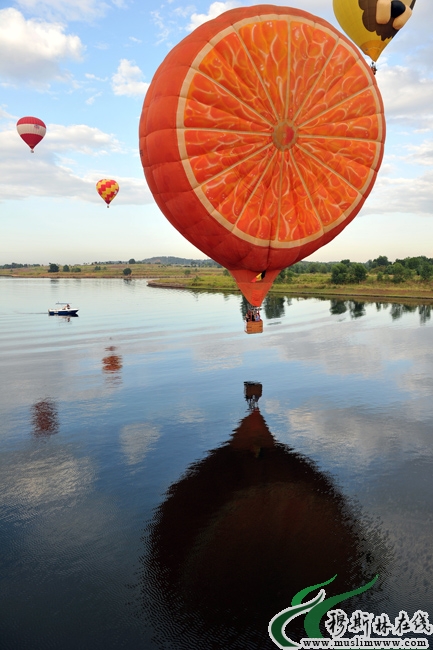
240,534
45,418
112,363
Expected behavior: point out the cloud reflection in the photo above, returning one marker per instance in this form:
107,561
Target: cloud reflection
33,481
136,440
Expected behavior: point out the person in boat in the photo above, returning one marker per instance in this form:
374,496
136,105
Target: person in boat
68,306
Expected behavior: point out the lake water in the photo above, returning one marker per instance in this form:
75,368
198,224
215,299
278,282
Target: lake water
145,503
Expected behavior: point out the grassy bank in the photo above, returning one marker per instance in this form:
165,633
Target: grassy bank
215,279
307,285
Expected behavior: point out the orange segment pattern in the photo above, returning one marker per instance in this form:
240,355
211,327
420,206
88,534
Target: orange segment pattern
229,64
211,106
266,43
231,190
210,157
281,127
310,51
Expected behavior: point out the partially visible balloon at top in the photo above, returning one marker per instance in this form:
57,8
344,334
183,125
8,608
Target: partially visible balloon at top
31,130
372,24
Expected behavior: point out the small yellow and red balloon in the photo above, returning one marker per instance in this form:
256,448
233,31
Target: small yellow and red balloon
107,190
31,130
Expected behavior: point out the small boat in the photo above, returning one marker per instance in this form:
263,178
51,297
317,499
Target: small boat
66,310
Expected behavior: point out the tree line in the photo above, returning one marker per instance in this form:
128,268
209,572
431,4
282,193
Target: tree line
343,272
347,272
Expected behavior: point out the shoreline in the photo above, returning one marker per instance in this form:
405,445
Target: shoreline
301,292
343,292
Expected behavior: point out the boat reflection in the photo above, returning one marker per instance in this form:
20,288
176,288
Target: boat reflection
45,419
67,319
240,534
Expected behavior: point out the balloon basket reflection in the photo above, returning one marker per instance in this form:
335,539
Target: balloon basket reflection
252,392
254,328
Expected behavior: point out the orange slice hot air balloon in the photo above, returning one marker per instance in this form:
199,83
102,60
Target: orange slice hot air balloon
261,136
107,190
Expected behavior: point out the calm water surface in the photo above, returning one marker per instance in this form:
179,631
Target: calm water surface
145,504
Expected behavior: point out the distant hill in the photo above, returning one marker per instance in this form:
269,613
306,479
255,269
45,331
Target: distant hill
178,261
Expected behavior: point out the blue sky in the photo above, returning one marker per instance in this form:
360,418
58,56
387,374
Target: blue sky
84,66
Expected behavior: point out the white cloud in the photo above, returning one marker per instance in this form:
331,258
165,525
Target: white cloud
215,9
184,12
164,29
128,80
404,195
66,9
81,138
91,100
56,169
4,115
422,154
88,75
31,50
407,96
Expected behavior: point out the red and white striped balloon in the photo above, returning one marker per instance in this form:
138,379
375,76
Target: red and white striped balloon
32,130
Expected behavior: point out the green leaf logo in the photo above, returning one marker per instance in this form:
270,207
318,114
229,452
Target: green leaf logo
313,609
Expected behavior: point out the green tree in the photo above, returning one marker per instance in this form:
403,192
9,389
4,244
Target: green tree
131,261
357,273
127,271
382,260
187,272
339,273
66,268
398,272
426,271
53,268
